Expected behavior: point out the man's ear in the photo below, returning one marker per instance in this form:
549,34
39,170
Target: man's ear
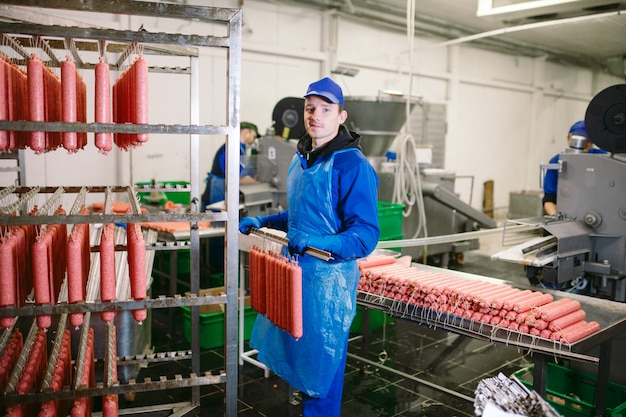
343,116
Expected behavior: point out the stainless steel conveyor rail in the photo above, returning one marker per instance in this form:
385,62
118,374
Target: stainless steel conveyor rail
610,315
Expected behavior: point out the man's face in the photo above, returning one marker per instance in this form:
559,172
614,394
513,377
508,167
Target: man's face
248,136
322,119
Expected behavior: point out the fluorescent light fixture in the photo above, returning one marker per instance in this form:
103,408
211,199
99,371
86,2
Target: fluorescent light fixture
508,9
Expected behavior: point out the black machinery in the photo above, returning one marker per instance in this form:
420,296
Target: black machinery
583,247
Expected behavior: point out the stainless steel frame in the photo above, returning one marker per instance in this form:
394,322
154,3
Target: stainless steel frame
96,39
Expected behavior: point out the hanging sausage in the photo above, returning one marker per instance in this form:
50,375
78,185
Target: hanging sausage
276,290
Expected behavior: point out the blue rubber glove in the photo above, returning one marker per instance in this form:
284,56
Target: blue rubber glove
248,223
298,242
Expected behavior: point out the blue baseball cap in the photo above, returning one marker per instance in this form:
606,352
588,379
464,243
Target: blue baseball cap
578,128
327,89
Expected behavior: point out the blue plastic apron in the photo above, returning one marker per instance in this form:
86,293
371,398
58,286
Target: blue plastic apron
328,291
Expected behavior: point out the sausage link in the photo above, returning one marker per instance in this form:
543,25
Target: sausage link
102,105
107,269
36,101
41,281
137,267
69,102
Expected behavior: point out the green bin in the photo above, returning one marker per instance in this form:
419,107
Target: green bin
572,393
390,220
177,197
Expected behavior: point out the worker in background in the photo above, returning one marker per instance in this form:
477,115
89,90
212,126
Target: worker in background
215,182
577,134
332,193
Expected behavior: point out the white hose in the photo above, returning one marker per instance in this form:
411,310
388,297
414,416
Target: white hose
408,185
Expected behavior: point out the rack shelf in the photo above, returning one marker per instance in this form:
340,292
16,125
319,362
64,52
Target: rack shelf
19,26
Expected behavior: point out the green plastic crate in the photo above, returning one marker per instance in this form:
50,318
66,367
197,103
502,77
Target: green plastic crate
572,393
212,322
377,320
178,197
183,264
390,220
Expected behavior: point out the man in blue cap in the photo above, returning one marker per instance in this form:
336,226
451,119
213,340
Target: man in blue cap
333,206
578,141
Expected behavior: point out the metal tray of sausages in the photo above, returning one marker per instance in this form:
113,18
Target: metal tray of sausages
610,315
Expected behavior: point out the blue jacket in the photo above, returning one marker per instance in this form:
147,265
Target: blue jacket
354,185
332,193
219,162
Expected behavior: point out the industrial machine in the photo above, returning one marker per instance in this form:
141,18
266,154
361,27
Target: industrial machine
378,120
583,247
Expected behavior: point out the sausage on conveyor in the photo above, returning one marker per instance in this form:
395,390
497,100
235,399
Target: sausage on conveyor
375,260
560,310
532,302
567,320
553,304
577,331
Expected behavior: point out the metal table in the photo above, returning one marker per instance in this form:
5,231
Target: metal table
609,314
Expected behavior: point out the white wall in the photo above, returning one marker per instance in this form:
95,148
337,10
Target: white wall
506,113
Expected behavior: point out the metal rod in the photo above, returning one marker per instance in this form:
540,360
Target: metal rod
457,237
317,253
412,378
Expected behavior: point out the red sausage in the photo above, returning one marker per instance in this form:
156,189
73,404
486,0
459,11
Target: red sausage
510,302
261,283
75,287
41,281
107,269
36,101
103,105
567,320
575,332
539,310
137,267
486,300
140,67
69,102
11,81
287,311
527,304
81,113
545,333
561,310
375,261
500,302
4,105
8,279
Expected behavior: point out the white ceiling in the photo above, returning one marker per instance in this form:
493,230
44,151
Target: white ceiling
585,32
